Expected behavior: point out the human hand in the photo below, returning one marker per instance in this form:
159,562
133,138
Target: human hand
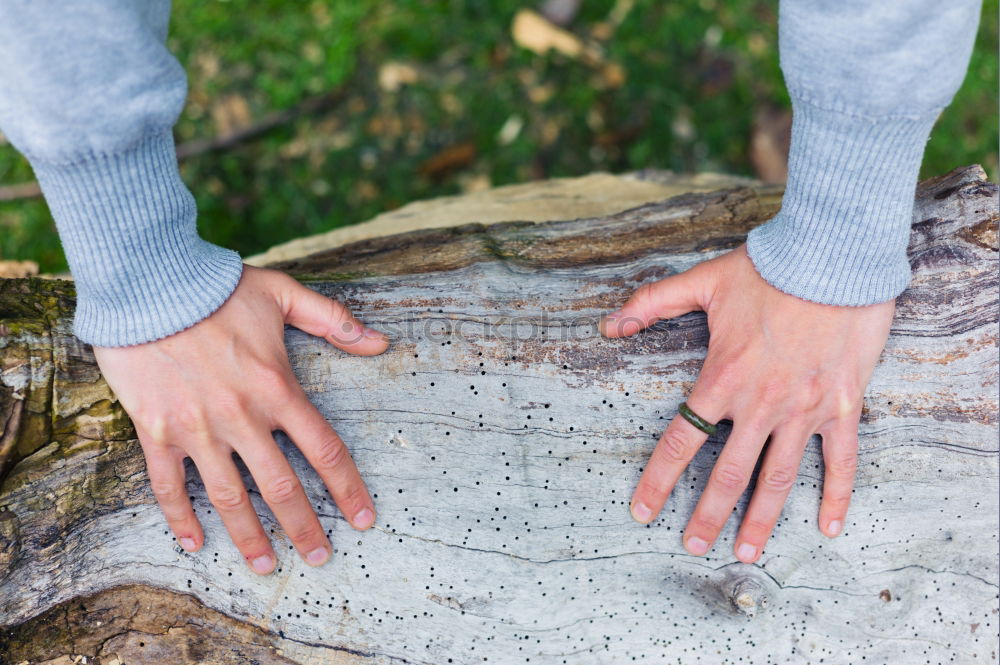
221,387
776,366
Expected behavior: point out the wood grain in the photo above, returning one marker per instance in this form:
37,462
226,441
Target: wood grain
502,438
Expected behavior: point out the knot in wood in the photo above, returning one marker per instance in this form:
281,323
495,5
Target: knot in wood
748,596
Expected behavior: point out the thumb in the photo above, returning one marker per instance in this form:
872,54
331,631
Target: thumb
665,299
324,317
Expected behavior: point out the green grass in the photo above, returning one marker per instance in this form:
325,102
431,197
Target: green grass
696,71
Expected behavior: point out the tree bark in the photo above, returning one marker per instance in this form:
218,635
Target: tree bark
502,437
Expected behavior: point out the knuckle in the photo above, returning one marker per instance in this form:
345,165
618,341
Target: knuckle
772,392
331,453
808,398
778,479
192,417
730,477
251,543
280,280
179,519
341,325
706,524
306,534
757,527
227,405
167,492
274,377
356,496
652,487
726,377
675,447
837,501
284,394
847,402
152,428
644,295
281,489
843,466
229,498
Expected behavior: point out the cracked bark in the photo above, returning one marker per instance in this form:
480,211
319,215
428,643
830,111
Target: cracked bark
502,437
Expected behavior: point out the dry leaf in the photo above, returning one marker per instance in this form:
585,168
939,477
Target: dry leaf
510,130
208,63
539,94
230,113
450,159
621,10
532,31
394,75
365,190
602,30
612,75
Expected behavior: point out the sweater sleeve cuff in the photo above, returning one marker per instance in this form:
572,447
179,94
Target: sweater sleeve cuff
127,225
844,225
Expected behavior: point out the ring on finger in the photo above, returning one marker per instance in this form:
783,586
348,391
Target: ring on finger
685,411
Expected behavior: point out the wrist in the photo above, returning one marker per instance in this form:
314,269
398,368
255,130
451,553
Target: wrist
127,225
842,232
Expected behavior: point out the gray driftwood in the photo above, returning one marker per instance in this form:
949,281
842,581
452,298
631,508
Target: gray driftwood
502,437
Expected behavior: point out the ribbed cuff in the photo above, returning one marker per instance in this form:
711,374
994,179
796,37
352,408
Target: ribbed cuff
127,225
841,235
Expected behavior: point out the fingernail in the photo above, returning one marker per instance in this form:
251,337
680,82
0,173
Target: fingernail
641,512
188,544
263,564
746,551
364,519
833,528
317,557
696,545
374,334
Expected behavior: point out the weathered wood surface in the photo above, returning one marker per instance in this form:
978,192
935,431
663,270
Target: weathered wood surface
594,195
502,437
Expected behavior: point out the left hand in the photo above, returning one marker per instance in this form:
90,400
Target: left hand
221,387
777,366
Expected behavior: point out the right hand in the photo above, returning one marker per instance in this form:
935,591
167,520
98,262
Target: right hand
780,368
223,386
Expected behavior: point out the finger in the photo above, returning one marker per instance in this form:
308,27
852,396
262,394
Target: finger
665,299
324,317
166,478
282,490
726,484
226,492
774,482
840,466
327,453
677,446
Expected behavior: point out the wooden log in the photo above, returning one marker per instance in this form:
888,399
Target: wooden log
502,437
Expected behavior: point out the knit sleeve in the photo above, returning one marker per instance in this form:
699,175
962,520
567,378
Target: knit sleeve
867,81
89,94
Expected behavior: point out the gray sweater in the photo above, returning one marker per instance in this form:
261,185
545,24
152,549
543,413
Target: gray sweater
89,93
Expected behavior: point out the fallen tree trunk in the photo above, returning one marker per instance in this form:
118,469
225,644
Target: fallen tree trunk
502,438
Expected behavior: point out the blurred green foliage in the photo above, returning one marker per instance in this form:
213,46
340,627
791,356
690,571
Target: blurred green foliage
435,97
